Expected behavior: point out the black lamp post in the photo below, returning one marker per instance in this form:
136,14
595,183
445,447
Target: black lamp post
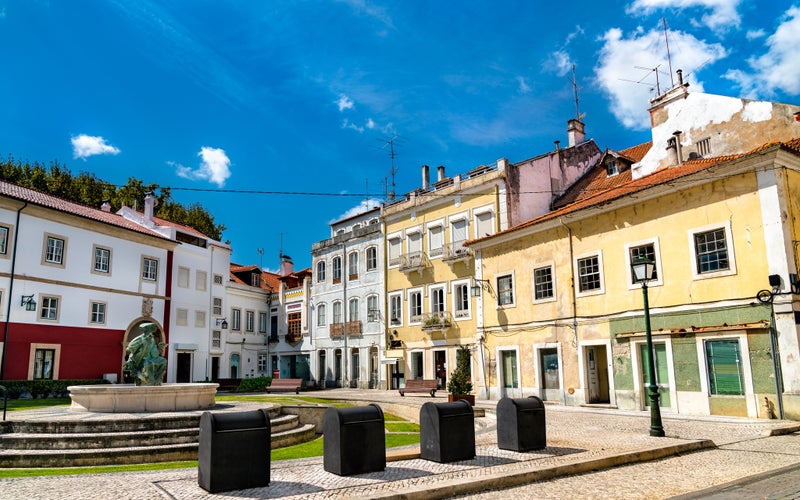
643,269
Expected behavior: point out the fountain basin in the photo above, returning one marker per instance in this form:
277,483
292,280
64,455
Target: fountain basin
129,398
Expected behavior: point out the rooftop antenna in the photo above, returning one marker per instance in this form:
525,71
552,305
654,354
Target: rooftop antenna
669,58
392,154
260,258
651,70
575,88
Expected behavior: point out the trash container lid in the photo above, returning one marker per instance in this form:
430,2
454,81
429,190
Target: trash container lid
343,416
521,404
455,408
252,419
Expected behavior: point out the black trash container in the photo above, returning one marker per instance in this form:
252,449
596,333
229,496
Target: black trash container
234,450
521,424
354,440
447,432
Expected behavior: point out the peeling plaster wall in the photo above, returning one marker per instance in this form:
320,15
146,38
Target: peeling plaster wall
732,126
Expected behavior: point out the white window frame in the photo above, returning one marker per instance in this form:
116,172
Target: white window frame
726,225
410,303
432,291
336,307
544,265
353,312
497,277
398,310
352,266
434,252
598,291
334,260
200,319
183,277
5,238
61,262
659,281
453,287
373,309
478,212
747,374
58,306
320,268
236,319
216,306
149,273
398,238
371,261
249,321
262,322
321,313
56,359
98,317
200,280
181,316
101,271
218,279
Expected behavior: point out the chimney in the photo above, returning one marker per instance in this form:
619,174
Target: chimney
680,76
287,266
440,173
672,152
150,202
106,206
575,132
678,151
558,146
426,177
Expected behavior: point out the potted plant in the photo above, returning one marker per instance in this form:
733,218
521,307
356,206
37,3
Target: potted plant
459,384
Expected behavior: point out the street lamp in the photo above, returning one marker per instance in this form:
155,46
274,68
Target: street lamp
643,269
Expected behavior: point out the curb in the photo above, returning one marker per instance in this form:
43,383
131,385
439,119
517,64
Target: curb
499,480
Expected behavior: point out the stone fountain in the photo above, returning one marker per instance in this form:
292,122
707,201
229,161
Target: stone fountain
147,394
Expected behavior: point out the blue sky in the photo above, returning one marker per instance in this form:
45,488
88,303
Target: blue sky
211,97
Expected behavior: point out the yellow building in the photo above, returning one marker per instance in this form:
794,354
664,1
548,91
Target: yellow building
564,317
430,311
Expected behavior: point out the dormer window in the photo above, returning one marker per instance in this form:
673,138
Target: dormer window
255,279
611,168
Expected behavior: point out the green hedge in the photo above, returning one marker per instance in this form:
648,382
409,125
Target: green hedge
44,388
256,384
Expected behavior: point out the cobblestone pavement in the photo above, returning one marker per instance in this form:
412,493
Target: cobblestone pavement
576,437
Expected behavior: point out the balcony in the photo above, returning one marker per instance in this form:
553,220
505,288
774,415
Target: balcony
456,252
292,338
273,339
337,330
413,261
436,321
354,328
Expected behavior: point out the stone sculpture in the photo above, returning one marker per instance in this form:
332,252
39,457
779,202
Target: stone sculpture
143,359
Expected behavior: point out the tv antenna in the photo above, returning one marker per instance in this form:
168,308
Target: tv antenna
390,143
575,88
260,258
669,57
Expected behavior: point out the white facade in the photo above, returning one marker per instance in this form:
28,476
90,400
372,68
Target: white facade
348,304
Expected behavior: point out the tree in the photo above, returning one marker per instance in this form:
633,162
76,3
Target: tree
459,382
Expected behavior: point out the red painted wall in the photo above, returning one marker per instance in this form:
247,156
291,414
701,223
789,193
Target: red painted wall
86,353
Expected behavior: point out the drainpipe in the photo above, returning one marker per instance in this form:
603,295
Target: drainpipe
8,302
211,308
345,309
776,363
574,299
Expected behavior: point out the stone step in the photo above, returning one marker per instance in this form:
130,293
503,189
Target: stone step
13,458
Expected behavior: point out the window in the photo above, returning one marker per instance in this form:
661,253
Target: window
49,308
647,251
43,362
352,266
415,306
611,168
255,279
320,271
543,288
98,314
295,325
704,146
711,250
262,362
458,234
395,251
353,310
372,258
236,319
589,278
321,315
216,306
373,313
724,367
250,321
396,309
337,269
337,312
217,279
149,269
200,279
102,260
200,319
182,317
437,299
435,241
484,224
54,250
262,322
505,290
216,339
461,300
3,240
183,277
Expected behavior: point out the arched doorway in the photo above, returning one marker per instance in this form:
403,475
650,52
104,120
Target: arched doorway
235,365
131,333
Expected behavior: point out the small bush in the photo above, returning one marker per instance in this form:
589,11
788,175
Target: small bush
44,388
256,384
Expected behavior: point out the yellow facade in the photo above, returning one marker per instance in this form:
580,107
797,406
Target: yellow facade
429,274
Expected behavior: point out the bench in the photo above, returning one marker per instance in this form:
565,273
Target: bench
420,385
285,385
228,384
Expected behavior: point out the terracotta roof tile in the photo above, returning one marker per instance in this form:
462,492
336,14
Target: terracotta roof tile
39,198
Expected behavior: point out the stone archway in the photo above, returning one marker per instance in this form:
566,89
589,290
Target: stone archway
131,333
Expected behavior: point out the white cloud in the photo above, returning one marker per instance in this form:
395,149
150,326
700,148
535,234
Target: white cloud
620,56
344,102
352,126
778,68
523,85
723,15
364,206
84,146
559,63
214,167
371,123
756,34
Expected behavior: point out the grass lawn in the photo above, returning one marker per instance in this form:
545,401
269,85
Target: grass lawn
402,427
30,404
281,400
